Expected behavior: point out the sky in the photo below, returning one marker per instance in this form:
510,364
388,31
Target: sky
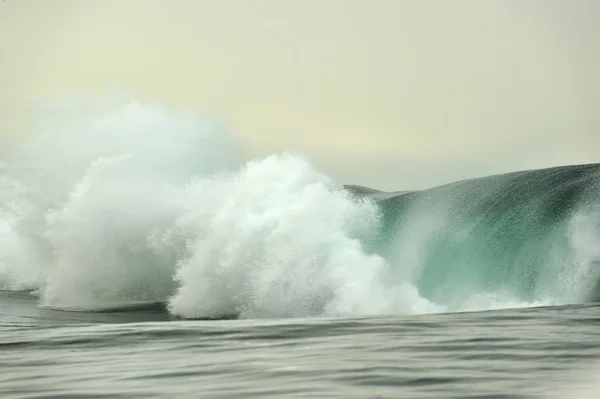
392,94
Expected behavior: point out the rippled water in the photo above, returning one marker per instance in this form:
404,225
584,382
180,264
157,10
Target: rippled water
535,352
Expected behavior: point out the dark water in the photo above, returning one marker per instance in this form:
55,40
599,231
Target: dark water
547,352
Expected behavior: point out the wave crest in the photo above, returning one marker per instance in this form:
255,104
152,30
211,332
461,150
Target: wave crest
143,204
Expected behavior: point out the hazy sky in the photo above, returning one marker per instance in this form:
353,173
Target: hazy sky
387,93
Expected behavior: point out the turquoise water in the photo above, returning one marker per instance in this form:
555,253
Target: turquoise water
528,235
142,254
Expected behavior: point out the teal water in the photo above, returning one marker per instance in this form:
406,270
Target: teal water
529,235
141,255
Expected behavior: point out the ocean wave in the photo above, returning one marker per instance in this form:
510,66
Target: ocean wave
144,204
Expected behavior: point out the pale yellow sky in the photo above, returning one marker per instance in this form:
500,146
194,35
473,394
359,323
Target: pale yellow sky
387,93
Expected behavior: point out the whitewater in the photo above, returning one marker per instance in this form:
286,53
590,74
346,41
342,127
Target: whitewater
142,204
144,253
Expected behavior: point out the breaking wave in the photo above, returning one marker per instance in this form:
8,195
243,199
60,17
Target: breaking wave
143,205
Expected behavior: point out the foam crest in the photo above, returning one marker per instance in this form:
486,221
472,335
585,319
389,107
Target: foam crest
83,200
283,240
101,256
142,204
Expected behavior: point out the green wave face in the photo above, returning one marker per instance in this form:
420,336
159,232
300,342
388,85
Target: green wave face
532,236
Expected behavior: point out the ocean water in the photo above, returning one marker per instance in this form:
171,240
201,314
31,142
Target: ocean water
142,254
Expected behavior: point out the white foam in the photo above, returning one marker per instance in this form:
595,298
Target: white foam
143,204
281,239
